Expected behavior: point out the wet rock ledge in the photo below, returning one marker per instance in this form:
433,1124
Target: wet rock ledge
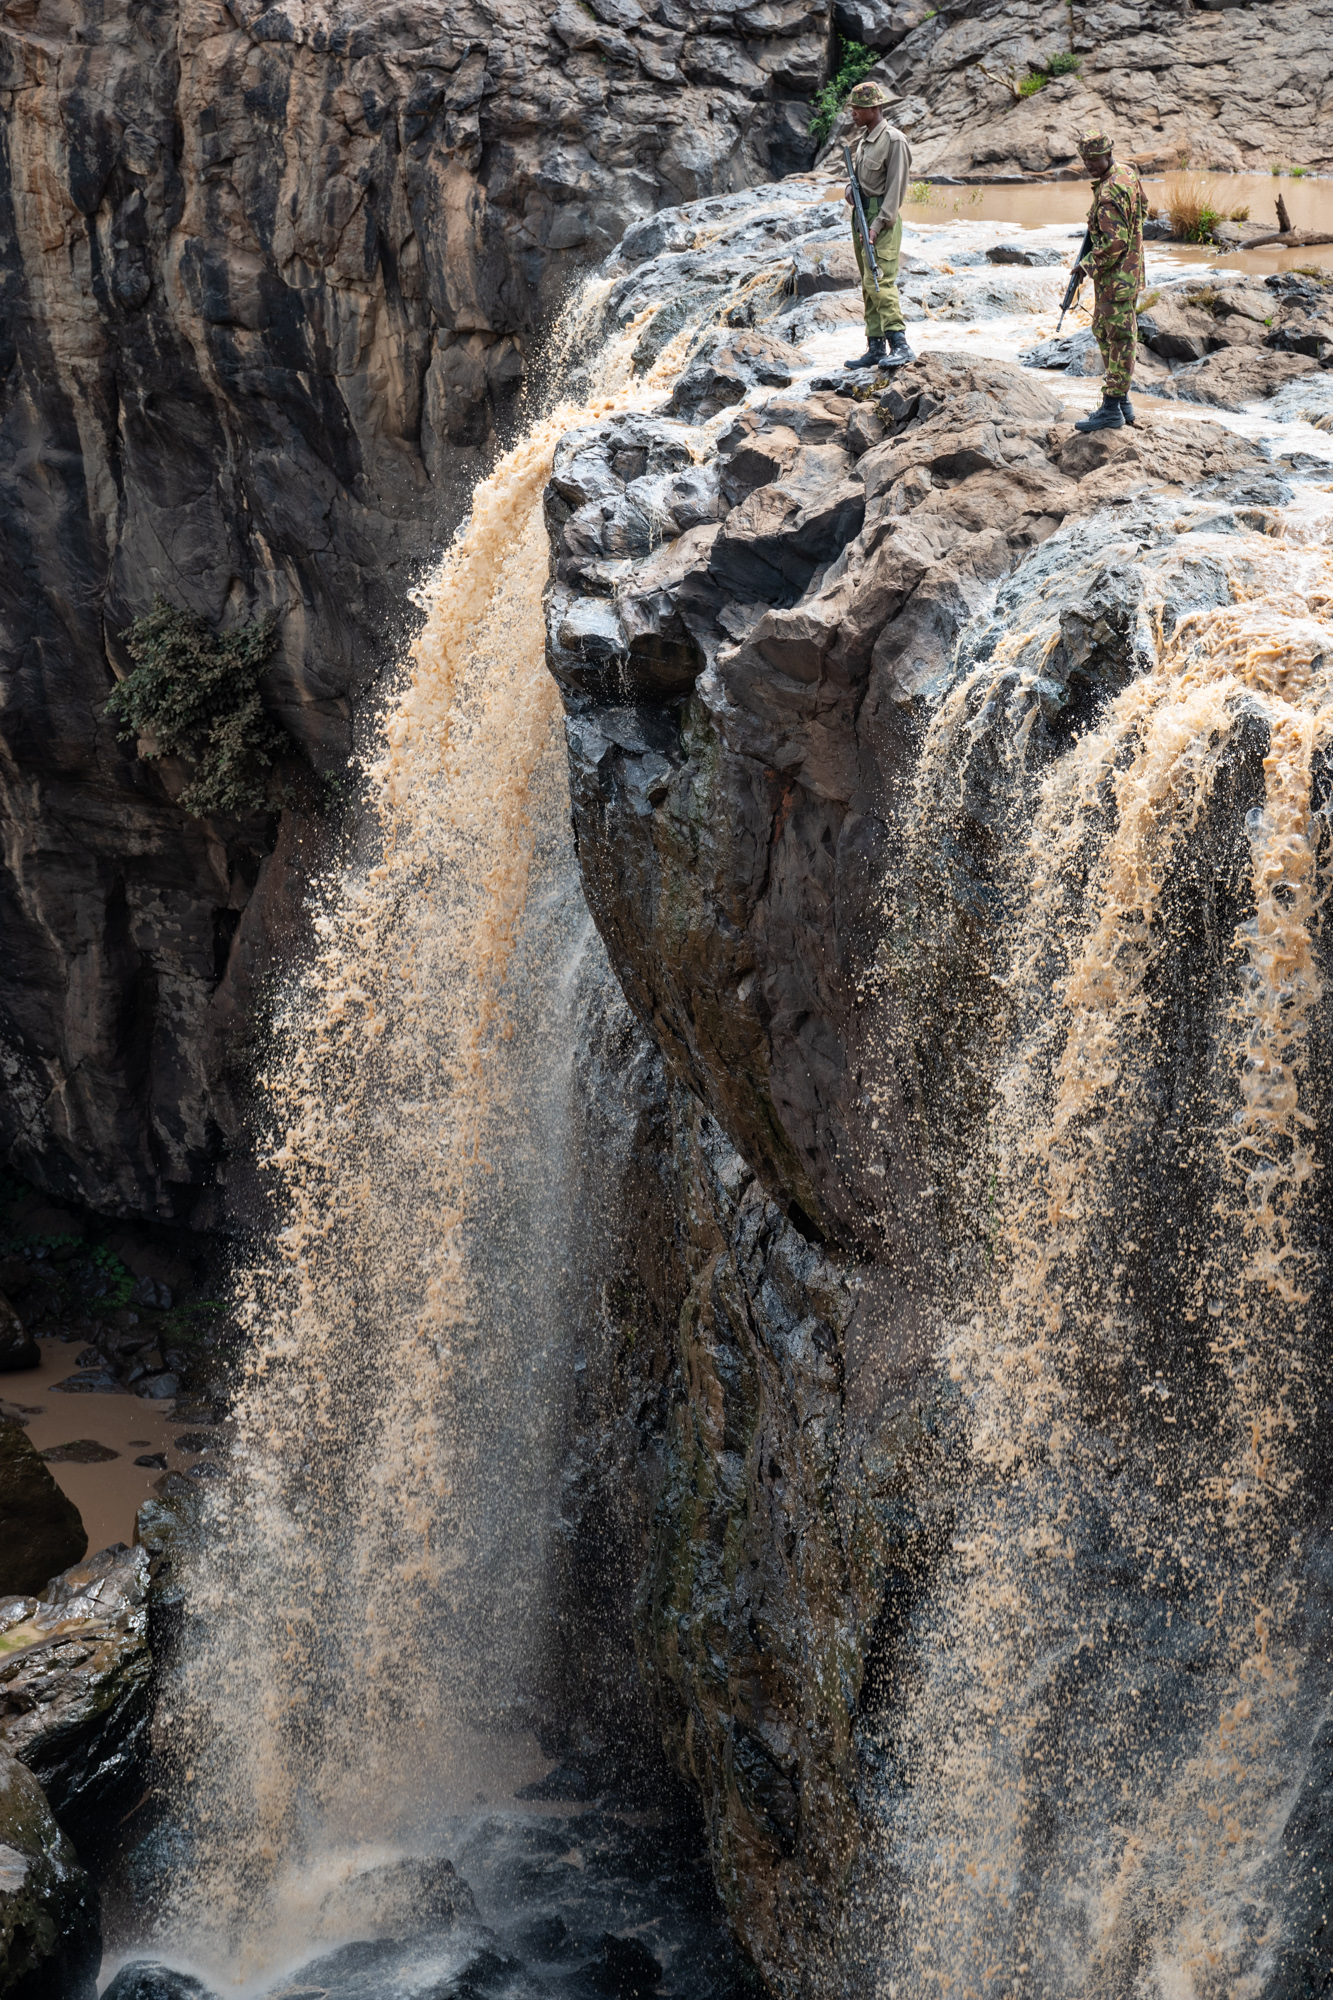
750,625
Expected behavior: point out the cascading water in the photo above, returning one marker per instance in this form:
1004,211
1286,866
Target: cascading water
363,1611
1112,1685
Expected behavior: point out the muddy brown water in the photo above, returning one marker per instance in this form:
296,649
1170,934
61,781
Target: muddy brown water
1029,206
108,1495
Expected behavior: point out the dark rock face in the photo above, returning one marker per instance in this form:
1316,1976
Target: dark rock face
270,277
50,1924
41,1530
75,1689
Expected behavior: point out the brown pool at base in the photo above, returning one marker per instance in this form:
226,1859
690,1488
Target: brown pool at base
1029,205
108,1495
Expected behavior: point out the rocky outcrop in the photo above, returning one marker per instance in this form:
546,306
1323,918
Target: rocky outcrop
50,1926
742,721
75,1672
1227,344
1233,88
271,278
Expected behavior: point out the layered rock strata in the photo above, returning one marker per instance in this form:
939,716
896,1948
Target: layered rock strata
270,278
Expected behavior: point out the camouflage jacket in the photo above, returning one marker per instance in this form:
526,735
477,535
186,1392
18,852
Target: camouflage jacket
1115,223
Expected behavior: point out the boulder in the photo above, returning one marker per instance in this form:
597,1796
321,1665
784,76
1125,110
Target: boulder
825,267
147,1979
17,1347
724,367
1175,331
75,1674
41,1530
1302,326
398,1899
1239,375
50,1923
1076,353
1015,253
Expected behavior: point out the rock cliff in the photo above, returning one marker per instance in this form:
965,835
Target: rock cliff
270,279
1223,86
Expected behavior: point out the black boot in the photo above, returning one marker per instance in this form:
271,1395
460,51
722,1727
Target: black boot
873,355
899,352
1126,408
1109,417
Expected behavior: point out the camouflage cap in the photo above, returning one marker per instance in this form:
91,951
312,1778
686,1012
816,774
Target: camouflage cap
865,96
1094,142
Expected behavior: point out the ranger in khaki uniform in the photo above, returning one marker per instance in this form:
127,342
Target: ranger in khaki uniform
882,163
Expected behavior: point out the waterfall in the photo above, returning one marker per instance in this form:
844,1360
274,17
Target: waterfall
1109,1690
362,1611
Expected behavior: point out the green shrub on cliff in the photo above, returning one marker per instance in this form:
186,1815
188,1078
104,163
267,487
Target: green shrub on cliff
194,693
854,62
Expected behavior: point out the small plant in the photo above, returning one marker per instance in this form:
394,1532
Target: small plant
194,693
920,194
1275,168
1193,205
1240,215
1298,173
1039,74
854,62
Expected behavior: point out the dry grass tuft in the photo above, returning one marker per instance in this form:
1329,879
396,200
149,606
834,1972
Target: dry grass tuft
1194,205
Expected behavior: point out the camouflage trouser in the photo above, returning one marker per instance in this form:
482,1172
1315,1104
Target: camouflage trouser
884,314
1116,327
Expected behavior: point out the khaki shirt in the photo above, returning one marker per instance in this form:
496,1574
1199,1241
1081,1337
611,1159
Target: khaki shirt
882,162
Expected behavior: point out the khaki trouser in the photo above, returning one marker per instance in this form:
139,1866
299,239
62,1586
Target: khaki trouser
884,314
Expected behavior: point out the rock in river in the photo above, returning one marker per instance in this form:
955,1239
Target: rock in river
41,1530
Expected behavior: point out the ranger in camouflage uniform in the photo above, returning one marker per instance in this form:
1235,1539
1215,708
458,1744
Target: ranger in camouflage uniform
1115,258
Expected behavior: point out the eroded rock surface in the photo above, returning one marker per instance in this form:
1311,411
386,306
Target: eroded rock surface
1234,88
743,716
1228,342
270,277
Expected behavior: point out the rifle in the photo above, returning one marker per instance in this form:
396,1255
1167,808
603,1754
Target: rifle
858,208
1076,277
